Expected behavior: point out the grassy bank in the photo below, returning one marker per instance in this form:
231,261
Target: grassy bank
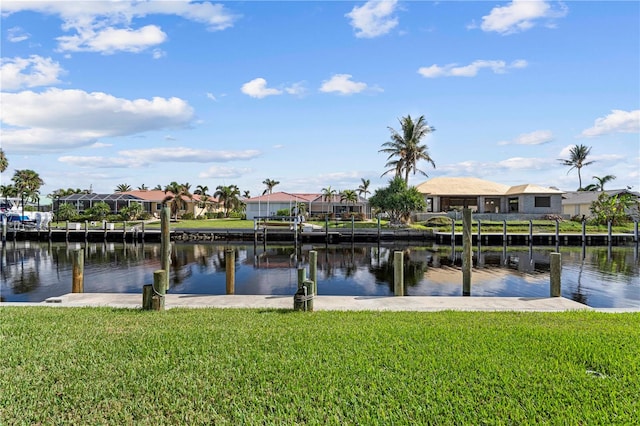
206,366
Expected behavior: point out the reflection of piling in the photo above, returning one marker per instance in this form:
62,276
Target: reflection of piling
556,272
398,273
77,283
467,252
165,243
230,267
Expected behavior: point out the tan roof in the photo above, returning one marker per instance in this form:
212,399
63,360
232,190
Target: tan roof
281,196
157,195
461,186
474,186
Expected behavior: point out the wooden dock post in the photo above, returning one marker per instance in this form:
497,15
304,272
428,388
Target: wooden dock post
86,230
557,232
635,231
479,233
530,232
504,232
326,229
124,230
556,272
66,233
160,285
609,232
584,231
398,273
230,267
467,252
313,270
453,232
353,228
77,283
165,243
4,229
303,299
147,296
142,231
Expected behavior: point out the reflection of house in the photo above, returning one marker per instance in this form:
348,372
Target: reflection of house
445,194
578,203
151,201
314,204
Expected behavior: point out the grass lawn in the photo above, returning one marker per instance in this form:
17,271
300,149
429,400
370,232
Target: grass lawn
215,366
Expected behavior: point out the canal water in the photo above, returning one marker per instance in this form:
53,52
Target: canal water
603,277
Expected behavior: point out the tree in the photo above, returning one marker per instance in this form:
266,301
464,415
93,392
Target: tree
398,200
143,187
176,197
228,196
349,196
405,150
327,195
27,184
123,187
8,191
4,163
614,208
246,194
99,210
132,211
66,211
270,184
364,187
601,181
201,190
577,160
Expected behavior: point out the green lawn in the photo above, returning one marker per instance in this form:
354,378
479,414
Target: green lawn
213,366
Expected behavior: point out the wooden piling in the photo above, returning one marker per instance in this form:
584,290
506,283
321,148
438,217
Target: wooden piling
77,283
4,229
557,232
353,229
584,232
230,267
86,230
66,233
467,252
556,272
124,230
159,283
609,231
398,273
530,232
379,227
313,270
147,295
453,232
635,231
165,243
504,232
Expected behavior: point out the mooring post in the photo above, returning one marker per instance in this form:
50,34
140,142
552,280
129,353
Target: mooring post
142,237
467,252
479,232
230,266
557,232
124,230
326,229
584,231
530,232
66,232
353,228
300,301
165,243
609,233
398,273
77,284
86,230
313,270
453,232
378,227
147,296
160,285
504,232
635,231
556,272
4,229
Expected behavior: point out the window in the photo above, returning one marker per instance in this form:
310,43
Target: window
543,202
513,205
429,204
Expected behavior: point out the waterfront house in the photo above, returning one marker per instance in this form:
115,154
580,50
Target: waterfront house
487,199
315,204
578,203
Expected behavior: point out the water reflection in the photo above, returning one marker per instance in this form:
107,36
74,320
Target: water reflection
597,276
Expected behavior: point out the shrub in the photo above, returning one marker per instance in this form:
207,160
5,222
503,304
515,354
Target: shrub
187,216
553,217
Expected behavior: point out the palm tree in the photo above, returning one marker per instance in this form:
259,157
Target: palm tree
157,188
246,194
123,187
405,150
577,160
327,195
602,180
8,191
176,199
27,184
4,163
364,187
228,195
201,190
143,187
270,184
349,196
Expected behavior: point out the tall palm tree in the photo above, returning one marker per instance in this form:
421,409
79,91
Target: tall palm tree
228,196
123,187
364,187
4,163
270,184
246,194
178,192
405,150
201,190
327,195
143,187
349,196
577,160
27,184
602,180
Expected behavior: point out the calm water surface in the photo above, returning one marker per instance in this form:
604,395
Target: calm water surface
596,276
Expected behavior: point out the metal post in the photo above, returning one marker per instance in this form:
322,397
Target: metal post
398,273
556,272
467,252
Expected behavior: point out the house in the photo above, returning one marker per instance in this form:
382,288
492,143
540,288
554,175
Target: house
490,199
578,203
315,204
151,201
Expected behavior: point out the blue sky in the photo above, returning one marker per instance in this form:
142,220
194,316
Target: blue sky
95,94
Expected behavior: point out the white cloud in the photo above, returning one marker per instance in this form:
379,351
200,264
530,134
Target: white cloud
112,40
95,162
374,18
296,89
56,120
617,122
342,84
211,96
19,73
471,70
158,54
218,172
257,88
185,154
17,34
521,15
538,137
107,27
101,145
